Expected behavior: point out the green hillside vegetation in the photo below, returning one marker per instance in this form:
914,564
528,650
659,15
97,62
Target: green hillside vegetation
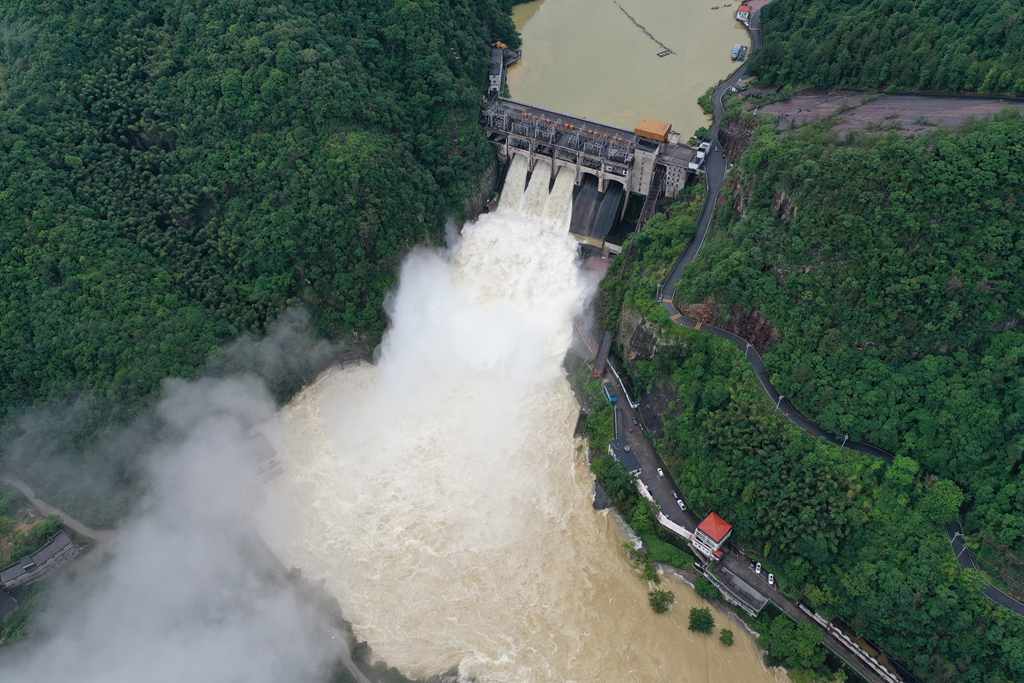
947,45
856,538
853,536
173,174
891,268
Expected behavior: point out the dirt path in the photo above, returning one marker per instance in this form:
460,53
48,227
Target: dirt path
907,114
104,540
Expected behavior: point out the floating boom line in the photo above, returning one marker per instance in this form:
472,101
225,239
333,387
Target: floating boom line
665,49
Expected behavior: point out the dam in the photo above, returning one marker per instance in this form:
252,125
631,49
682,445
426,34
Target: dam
607,163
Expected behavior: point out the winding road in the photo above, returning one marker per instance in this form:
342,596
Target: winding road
715,166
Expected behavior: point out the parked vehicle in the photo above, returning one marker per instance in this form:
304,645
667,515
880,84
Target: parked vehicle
751,565
682,505
675,495
660,472
757,568
611,399
771,579
635,421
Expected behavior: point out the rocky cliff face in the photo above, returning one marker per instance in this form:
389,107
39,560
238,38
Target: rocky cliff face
476,203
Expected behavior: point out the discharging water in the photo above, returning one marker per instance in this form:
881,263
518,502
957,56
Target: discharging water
587,58
440,493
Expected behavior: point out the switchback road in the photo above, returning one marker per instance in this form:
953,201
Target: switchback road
715,166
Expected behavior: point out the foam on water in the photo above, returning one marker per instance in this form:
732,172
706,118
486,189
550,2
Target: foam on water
440,494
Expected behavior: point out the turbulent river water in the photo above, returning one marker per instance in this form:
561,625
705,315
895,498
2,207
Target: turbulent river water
440,493
587,58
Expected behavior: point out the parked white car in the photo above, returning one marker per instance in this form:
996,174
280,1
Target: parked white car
771,579
660,473
757,568
682,505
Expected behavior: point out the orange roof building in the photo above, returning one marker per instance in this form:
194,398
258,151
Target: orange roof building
652,129
711,534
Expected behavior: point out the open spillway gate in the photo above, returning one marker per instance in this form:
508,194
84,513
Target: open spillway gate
608,163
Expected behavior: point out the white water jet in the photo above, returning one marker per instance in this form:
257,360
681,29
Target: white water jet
440,494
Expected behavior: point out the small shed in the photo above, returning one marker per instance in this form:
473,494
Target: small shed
623,452
652,129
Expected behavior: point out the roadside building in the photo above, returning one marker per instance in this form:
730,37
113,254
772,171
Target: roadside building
496,73
7,605
743,13
42,562
623,452
711,534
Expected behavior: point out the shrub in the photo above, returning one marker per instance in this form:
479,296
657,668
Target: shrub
706,589
701,620
661,600
726,637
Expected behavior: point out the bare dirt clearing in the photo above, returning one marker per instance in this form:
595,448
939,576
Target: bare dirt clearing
907,114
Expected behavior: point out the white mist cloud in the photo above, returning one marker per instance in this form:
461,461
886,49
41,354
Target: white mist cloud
189,595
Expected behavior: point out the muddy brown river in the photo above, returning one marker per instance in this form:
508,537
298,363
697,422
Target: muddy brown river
440,494
587,58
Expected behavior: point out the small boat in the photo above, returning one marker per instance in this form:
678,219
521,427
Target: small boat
728,4
715,7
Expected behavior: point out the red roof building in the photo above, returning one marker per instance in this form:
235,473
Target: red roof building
711,534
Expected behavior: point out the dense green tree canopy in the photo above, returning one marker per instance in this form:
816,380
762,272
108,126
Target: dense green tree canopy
949,45
858,539
174,173
891,268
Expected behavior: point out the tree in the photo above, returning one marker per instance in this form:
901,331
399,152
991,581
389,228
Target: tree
701,620
661,600
706,589
726,637
796,646
942,502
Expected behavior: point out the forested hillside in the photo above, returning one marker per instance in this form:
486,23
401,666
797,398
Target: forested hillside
947,45
853,537
891,268
174,173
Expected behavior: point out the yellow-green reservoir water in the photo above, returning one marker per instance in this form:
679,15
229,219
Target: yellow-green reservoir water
587,58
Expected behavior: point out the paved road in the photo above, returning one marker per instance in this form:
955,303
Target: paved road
662,488
716,166
963,557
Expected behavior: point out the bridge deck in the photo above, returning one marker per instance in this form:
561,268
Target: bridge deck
567,119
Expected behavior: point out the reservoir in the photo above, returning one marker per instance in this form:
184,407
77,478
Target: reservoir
442,499
587,58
